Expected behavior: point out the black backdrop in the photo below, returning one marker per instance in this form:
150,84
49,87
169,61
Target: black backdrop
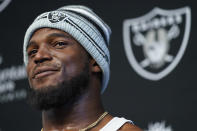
171,100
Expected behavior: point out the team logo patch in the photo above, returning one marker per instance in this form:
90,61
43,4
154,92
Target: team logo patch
4,4
155,43
56,16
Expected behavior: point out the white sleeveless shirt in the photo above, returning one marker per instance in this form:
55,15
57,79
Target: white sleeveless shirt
115,124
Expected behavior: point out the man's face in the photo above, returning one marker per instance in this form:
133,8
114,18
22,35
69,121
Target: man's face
57,66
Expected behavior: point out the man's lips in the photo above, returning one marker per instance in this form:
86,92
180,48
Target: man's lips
43,71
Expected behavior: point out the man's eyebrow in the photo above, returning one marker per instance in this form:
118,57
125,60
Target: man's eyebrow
31,43
50,35
59,35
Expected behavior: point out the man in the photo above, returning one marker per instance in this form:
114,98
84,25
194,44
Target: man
67,59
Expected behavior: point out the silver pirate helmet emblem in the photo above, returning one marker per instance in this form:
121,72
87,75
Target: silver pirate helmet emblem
4,4
155,43
56,16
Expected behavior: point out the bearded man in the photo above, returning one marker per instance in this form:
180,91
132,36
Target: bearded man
67,60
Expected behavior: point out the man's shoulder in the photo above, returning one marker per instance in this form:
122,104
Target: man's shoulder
129,127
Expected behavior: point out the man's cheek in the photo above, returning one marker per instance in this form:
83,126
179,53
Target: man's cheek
29,71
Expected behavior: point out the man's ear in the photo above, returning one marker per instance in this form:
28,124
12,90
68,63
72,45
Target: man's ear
94,66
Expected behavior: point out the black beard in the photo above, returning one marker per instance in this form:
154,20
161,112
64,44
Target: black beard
64,94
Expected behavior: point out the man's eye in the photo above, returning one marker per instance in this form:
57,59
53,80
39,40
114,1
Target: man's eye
32,52
60,44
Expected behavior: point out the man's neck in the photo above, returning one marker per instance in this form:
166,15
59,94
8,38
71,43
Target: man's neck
82,113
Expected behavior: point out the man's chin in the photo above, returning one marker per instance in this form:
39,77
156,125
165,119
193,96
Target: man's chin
62,94
50,97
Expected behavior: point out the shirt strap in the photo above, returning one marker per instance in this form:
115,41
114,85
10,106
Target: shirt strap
115,124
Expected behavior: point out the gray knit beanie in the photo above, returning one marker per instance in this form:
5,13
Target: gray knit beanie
83,25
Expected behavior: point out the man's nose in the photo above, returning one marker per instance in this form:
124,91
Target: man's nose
43,54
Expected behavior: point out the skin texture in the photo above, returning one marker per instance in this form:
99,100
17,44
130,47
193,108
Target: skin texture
60,57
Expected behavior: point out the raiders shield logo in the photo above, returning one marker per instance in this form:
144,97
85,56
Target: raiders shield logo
4,4
155,43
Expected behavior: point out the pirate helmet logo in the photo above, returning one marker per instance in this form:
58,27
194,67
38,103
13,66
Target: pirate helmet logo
155,43
56,16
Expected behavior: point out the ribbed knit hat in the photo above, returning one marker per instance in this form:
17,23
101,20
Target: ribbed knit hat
83,25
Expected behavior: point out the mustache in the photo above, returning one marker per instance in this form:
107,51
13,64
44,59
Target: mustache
56,66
